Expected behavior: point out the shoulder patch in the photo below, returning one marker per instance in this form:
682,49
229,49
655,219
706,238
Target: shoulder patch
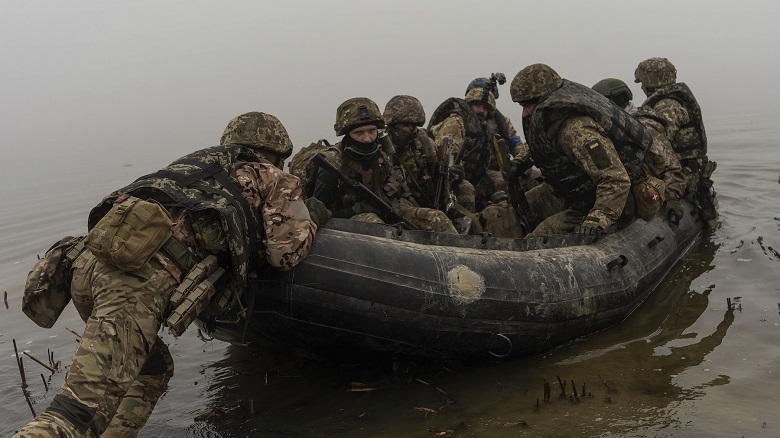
598,154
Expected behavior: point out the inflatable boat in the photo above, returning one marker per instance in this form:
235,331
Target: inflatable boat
370,289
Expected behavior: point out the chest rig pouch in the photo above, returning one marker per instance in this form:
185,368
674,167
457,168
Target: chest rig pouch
47,289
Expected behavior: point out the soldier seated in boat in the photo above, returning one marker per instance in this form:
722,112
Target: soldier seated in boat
472,122
426,164
587,149
661,161
361,157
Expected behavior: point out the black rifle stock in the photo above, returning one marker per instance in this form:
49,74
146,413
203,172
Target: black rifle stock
389,214
516,195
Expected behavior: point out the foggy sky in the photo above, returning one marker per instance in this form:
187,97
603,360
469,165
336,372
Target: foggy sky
123,79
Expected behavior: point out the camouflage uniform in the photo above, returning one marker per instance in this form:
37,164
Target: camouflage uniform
661,161
369,164
574,133
121,366
675,103
417,154
472,144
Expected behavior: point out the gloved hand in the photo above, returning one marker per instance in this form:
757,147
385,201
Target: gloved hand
457,173
590,226
519,167
318,212
674,206
364,207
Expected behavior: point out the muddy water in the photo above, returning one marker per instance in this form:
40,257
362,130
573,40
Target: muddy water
681,365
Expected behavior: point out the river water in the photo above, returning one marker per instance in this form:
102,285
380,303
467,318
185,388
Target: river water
681,365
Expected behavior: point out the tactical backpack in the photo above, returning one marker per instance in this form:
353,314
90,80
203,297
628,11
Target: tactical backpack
47,289
304,168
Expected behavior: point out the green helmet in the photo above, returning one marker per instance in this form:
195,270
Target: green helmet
404,109
655,72
533,82
258,131
480,90
615,90
355,112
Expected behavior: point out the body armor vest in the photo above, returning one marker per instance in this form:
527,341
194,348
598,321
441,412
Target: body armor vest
418,161
629,137
200,182
475,152
691,139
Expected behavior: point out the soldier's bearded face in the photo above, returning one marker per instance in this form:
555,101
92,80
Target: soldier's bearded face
480,108
364,134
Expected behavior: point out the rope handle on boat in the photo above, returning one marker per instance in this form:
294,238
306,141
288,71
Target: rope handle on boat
508,351
619,261
658,239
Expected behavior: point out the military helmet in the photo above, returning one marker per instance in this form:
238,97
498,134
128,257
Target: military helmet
404,109
533,82
615,90
481,90
655,72
258,131
355,112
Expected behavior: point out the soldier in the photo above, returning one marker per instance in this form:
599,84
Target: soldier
227,205
420,157
573,132
360,156
472,122
661,161
674,102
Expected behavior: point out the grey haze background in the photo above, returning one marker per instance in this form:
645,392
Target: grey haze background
115,80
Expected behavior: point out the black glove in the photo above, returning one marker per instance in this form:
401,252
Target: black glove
674,206
590,226
318,212
457,172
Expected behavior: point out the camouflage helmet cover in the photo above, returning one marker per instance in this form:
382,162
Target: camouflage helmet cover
479,91
258,131
404,109
655,72
357,111
533,82
612,87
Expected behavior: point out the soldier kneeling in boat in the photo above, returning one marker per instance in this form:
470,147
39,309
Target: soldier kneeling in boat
588,150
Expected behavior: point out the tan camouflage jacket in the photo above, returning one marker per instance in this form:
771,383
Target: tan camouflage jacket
661,161
453,125
572,136
674,113
276,195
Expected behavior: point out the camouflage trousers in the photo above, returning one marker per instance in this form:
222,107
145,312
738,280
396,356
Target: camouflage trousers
552,212
427,219
501,220
121,367
490,182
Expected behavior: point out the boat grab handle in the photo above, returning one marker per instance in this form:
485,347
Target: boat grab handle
508,351
619,261
658,239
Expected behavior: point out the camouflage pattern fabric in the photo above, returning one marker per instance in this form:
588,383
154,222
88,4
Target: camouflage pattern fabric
501,220
357,111
344,201
121,368
533,82
491,181
655,72
661,161
404,109
258,131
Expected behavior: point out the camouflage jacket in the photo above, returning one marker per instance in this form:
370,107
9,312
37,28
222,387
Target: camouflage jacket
677,105
661,161
379,175
588,149
418,159
256,205
471,137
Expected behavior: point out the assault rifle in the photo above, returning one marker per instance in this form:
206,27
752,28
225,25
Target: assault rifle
388,213
441,198
516,195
